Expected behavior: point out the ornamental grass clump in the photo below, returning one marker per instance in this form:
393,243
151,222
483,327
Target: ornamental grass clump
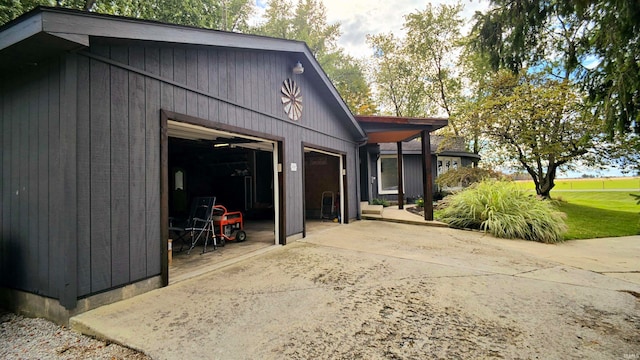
505,211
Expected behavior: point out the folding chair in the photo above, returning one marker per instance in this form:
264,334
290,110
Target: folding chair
327,206
198,225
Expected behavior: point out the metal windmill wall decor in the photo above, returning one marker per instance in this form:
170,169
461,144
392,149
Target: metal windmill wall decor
292,99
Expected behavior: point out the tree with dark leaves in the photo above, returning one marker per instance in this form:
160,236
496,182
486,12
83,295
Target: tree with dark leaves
596,43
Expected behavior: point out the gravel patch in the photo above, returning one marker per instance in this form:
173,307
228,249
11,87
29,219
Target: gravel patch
29,338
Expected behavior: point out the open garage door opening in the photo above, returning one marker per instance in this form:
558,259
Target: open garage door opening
323,189
238,170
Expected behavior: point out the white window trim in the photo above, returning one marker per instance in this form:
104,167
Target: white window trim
386,192
445,158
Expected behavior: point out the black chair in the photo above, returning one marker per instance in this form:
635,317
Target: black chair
198,226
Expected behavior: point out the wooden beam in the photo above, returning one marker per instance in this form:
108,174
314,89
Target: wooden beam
400,182
281,195
427,180
164,198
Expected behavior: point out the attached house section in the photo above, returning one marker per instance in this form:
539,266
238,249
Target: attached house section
446,154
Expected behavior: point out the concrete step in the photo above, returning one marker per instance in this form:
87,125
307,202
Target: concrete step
372,209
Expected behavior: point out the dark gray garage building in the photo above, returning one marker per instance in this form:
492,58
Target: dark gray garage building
109,126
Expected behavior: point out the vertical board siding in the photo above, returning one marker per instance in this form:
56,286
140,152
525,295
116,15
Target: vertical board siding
152,171
4,187
203,84
121,241
413,176
100,165
24,209
43,185
17,239
137,166
231,82
68,166
34,191
28,206
120,216
191,66
223,87
244,89
84,176
180,76
55,186
13,177
166,71
213,71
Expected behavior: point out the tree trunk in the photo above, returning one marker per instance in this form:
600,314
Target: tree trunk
543,188
89,4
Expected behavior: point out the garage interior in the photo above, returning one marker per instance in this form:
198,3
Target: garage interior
239,171
322,195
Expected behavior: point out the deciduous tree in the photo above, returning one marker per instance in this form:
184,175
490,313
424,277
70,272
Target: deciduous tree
347,75
229,15
434,42
418,75
400,89
543,125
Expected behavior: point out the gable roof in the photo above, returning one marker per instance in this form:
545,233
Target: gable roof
46,31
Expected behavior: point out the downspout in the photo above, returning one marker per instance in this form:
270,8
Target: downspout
400,177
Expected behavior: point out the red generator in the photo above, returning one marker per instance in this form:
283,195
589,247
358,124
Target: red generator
228,225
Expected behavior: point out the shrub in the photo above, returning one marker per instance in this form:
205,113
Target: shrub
465,176
420,202
382,202
505,211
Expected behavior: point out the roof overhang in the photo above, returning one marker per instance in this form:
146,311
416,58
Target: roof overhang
28,41
389,129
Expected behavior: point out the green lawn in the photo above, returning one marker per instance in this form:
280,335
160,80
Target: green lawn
598,184
594,214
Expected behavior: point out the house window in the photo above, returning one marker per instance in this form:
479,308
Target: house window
388,174
446,163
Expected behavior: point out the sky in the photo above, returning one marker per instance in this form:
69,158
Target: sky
358,18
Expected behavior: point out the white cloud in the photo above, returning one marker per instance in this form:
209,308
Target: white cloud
361,17
358,18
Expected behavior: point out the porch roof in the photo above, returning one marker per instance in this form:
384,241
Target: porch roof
390,129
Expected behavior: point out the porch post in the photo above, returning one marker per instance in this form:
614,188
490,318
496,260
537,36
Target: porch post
400,183
427,179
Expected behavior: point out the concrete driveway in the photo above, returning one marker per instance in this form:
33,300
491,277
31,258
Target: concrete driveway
378,290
